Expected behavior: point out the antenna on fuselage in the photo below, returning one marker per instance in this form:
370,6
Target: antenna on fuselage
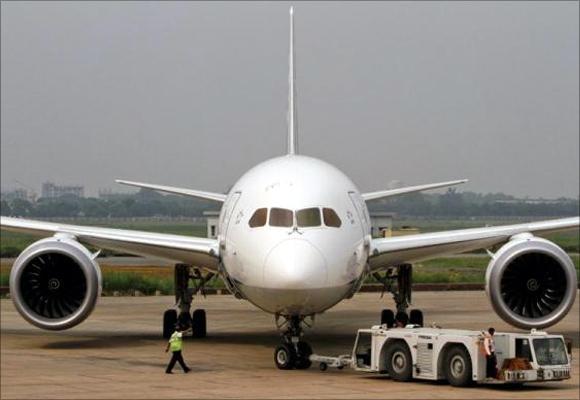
292,122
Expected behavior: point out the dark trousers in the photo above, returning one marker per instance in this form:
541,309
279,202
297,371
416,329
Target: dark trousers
177,357
491,366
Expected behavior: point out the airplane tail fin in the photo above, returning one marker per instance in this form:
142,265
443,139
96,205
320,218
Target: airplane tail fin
292,118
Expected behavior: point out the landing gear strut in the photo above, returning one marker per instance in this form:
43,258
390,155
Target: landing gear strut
293,352
398,281
184,274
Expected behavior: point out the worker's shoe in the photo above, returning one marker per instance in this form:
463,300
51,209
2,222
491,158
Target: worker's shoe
187,370
168,372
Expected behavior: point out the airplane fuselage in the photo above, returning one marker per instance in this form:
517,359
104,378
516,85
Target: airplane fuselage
294,235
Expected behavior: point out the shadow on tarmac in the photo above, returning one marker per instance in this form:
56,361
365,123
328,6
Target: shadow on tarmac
93,340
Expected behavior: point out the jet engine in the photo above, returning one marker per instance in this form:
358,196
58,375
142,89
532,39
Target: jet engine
55,283
531,282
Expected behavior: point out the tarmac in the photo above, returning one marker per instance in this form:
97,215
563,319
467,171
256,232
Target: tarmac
118,353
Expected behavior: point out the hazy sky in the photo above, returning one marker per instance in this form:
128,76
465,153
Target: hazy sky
193,94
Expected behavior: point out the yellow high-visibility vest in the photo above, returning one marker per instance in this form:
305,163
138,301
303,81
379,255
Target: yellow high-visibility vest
176,341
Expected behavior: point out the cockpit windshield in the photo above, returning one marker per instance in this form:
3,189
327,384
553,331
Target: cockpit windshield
258,218
308,217
331,218
305,218
281,217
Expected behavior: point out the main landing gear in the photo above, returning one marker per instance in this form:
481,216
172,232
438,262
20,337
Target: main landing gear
184,274
398,281
293,353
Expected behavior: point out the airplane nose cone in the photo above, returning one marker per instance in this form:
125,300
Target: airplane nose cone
295,264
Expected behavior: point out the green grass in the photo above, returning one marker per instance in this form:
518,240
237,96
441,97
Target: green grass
126,283
442,270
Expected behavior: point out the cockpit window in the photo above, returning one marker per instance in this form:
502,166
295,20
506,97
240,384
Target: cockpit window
281,217
258,218
331,218
308,217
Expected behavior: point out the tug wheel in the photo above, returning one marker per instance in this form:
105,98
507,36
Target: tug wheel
399,362
457,367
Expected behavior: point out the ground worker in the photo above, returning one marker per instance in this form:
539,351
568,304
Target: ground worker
176,345
491,360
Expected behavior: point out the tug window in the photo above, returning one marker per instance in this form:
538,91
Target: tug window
308,217
331,218
259,218
281,217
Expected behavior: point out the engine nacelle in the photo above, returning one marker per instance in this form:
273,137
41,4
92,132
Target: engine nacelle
531,282
55,283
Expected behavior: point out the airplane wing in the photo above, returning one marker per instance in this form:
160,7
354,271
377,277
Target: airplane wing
387,252
175,190
200,252
410,189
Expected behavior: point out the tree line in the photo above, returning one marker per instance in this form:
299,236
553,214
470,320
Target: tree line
147,203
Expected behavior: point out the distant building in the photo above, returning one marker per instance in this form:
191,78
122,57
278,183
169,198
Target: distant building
212,223
21,194
381,221
52,191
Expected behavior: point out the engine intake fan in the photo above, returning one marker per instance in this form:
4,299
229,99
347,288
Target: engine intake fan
531,282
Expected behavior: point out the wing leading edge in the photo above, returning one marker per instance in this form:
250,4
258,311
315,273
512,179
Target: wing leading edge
386,252
175,190
410,189
200,252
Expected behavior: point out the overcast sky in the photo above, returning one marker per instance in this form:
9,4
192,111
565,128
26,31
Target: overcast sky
193,94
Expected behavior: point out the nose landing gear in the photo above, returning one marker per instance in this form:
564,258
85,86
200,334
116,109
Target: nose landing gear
183,297
293,353
398,281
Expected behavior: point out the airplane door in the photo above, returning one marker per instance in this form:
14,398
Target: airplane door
228,212
361,211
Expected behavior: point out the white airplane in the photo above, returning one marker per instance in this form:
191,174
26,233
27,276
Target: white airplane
294,240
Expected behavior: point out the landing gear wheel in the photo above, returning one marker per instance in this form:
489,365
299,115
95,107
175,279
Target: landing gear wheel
303,356
457,368
169,321
323,366
284,356
387,318
399,362
416,317
198,323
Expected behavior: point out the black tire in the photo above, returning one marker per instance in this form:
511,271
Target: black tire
198,323
284,356
387,318
457,367
399,362
303,356
416,317
323,366
169,321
